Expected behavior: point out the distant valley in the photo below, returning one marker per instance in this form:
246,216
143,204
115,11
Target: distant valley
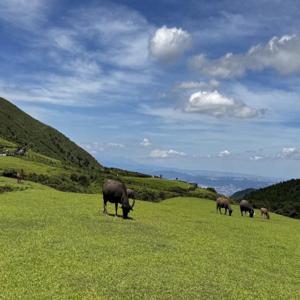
222,182
225,183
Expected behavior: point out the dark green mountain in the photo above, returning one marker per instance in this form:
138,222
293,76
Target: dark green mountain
282,198
18,127
238,196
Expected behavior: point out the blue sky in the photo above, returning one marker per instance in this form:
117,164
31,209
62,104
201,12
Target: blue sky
196,85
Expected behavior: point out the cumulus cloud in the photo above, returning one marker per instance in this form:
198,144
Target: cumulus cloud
224,153
218,105
212,84
168,44
280,53
290,153
158,153
145,142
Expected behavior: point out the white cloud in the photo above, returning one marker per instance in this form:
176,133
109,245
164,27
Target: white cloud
146,143
212,84
158,153
168,44
224,153
73,73
256,157
280,53
22,13
115,145
96,147
289,153
217,105
120,34
93,148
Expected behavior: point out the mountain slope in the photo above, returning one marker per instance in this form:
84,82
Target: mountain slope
238,196
18,127
282,198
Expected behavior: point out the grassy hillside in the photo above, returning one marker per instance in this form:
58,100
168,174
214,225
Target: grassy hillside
54,173
54,160
157,189
282,198
19,128
56,245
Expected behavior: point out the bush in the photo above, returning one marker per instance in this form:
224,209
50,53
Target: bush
11,173
211,189
6,188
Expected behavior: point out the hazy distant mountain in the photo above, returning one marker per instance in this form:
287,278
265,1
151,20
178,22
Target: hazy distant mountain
224,183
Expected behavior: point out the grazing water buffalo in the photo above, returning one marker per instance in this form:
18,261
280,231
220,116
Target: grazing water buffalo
115,192
264,213
245,207
223,202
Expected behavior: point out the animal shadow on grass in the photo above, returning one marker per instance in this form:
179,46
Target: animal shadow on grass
119,216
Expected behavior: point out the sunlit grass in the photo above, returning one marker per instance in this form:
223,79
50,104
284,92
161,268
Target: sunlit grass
58,245
10,162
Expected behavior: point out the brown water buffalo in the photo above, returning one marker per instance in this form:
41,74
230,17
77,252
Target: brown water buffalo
130,193
245,207
223,202
115,192
264,212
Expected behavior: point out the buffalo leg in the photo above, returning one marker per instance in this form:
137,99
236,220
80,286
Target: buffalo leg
116,209
226,211
104,207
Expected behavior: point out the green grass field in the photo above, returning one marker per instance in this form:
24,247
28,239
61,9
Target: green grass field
57,245
10,162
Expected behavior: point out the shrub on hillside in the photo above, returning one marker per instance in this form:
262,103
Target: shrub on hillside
6,188
211,189
11,173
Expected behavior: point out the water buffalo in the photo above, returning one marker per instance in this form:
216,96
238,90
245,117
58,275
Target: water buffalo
130,193
223,202
245,207
115,192
264,213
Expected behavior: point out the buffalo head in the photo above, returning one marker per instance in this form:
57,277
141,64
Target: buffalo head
251,213
126,207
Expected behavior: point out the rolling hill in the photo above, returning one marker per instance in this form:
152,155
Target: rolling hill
18,127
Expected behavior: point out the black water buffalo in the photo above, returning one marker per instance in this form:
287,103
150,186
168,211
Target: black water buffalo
115,192
223,202
245,207
264,212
